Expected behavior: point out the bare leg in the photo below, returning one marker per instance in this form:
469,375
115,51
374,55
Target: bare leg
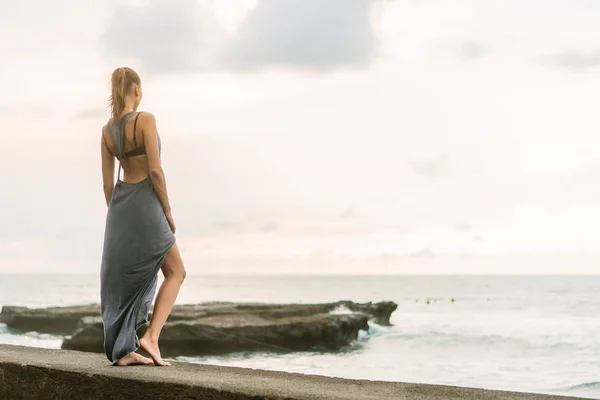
134,359
174,273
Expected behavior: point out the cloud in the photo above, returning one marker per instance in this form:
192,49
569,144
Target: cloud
269,227
349,213
577,61
23,109
93,112
424,254
470,51
227,225
345,228
164,37
388,257
185,36
463,227
317,35
433,168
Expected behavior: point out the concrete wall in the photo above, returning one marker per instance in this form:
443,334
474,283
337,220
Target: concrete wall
32,373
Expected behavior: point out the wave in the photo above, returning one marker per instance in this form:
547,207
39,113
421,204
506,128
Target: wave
585,386
451,337
445,339
30,339
5,330
374,329
44,336
341,310
378,330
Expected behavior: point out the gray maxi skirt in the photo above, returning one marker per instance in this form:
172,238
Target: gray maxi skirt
137,238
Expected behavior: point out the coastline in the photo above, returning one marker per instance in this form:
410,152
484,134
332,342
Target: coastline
36,373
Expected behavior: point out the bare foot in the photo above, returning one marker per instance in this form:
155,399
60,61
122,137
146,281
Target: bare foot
134,359
151,347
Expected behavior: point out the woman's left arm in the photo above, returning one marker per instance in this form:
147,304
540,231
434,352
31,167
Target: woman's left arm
108,169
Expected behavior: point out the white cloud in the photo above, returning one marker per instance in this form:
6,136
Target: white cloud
433,168
318,35
199,36
162,37
575,60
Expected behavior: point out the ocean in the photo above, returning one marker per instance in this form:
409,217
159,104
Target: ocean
520,333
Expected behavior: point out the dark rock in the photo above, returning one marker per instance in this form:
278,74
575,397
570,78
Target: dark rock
221,334
89,336
63,320
58,320
380,313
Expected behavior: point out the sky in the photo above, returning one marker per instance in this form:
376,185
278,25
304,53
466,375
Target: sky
313,137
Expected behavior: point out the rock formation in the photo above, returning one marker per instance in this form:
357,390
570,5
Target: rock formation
64,320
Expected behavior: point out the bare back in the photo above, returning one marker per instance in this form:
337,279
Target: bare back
126,142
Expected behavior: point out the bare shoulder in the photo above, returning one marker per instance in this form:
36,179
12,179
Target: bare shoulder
147,118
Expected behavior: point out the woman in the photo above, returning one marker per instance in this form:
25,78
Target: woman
139,236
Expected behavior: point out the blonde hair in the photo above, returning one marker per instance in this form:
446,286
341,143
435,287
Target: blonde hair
120,82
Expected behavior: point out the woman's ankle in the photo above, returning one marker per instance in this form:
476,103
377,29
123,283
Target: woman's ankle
151,335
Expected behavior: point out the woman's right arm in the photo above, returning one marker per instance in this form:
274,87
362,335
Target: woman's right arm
108,169
150,133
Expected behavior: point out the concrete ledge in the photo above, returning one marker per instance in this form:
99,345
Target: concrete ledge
33,373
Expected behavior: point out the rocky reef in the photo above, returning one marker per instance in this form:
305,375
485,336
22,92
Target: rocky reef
223,334
218,327
64,320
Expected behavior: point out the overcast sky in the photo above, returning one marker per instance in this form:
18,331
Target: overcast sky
305,136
